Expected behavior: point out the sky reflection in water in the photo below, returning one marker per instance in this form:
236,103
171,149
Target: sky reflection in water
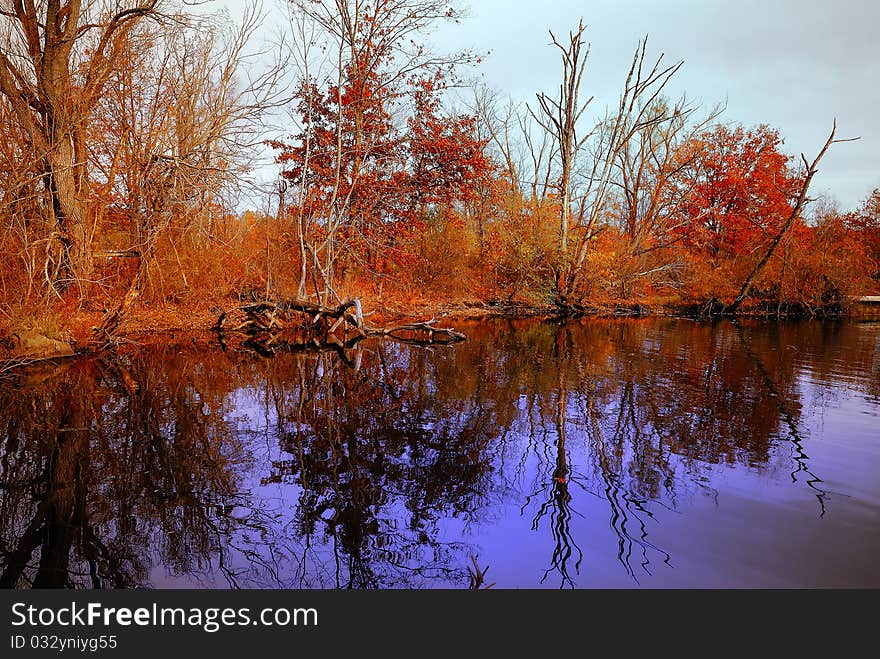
631,453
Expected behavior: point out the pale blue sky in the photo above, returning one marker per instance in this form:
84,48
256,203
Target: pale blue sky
794,64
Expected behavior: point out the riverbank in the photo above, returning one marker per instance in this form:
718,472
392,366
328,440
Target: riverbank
47,333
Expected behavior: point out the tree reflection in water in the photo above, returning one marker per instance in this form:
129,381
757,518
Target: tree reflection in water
379,463
385,468
106,467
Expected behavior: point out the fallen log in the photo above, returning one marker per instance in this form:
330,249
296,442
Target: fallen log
411,332
270,324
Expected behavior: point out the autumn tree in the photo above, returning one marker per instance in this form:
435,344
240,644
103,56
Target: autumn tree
865,224
56,57
740,192
447,158
378,38
354,163
793,215
343,176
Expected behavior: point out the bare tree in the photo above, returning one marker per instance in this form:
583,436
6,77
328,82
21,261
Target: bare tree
55,59
522,145
584,190
648,176
810,171
644,85
559,117
186,127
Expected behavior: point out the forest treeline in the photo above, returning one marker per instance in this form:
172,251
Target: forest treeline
132,132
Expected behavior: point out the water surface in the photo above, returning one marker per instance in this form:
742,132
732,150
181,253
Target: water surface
611,453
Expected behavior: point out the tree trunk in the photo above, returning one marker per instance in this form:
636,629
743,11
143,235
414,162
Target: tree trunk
564,221
70,217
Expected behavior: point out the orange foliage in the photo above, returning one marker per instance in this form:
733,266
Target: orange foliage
389,183
415,211
740,192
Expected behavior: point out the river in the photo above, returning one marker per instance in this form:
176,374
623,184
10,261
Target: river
597,453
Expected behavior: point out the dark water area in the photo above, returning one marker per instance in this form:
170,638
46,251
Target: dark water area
600,453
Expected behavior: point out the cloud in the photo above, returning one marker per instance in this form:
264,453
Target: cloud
794,64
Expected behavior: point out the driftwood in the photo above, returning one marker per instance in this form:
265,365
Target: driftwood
422,333
271,325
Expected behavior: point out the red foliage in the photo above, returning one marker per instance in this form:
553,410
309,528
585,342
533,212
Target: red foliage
448,161
739,192
865,225
381,177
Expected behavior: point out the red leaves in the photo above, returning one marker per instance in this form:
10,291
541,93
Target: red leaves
354,160
448,162
864,225
739,189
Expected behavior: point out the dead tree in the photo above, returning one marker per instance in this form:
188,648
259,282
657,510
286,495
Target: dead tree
643,87
811,169
559,117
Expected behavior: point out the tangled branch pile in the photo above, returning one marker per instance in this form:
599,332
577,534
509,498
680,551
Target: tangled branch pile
270,324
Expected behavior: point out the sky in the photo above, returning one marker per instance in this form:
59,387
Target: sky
793,64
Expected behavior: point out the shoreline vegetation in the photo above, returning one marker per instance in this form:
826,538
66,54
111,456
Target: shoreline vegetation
212,331
132,137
